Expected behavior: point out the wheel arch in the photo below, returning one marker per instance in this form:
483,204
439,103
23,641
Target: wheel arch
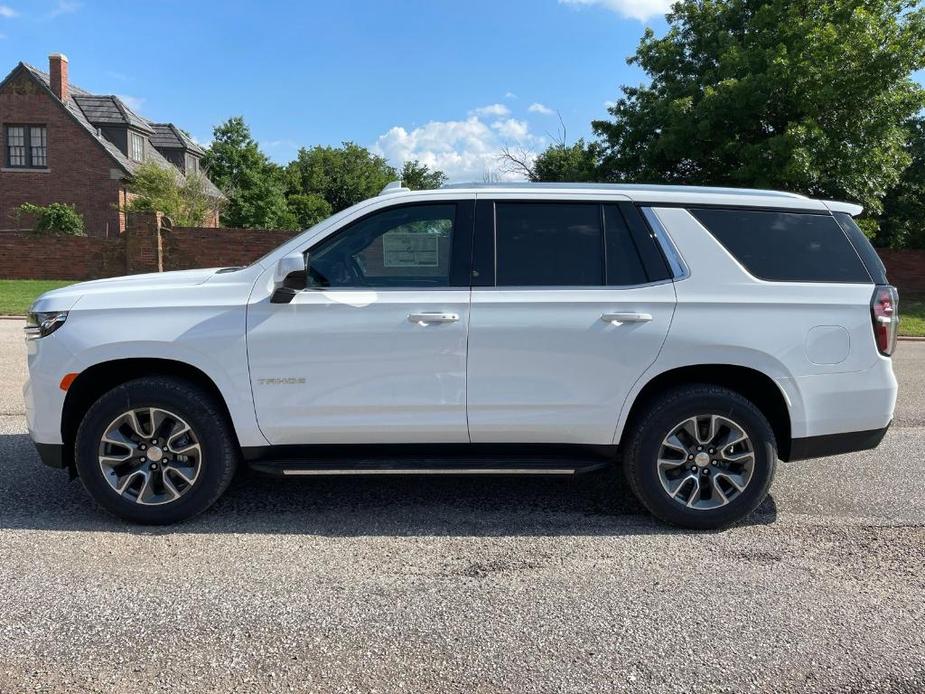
102,377
750,383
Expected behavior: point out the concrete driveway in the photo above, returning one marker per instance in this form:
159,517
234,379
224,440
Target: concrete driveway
468,585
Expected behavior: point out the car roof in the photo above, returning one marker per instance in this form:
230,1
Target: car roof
655,194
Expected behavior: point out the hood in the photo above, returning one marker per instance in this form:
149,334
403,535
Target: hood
64,299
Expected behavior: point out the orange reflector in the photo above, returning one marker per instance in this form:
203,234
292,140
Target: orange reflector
67,381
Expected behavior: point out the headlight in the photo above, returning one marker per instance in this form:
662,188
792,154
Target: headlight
43,323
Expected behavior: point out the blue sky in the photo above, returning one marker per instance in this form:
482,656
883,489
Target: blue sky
445,82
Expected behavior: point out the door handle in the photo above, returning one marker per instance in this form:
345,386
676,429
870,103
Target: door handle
426,318
619,318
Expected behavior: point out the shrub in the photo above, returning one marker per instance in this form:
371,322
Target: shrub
184,199
56,218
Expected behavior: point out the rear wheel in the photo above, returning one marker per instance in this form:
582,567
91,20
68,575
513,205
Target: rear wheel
155,450
701,456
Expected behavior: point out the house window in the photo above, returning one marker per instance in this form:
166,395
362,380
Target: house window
26,146
192,164
137,147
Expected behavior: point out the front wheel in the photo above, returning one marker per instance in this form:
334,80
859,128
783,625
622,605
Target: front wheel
155,450
701,457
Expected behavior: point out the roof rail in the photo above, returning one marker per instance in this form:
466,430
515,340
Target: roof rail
394,187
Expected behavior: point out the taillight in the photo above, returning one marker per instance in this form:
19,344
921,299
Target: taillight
884,313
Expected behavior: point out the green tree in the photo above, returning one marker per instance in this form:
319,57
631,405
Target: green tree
805,95
418,176
902,224
253,185
309,209
577,163
343,176
184,199
56,218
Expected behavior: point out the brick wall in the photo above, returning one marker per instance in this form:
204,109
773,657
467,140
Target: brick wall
23,255
192,247
905,268
26,256
79,170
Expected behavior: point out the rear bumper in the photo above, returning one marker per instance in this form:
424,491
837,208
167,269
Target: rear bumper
835,444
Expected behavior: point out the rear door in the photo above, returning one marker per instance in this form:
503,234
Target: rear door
574,304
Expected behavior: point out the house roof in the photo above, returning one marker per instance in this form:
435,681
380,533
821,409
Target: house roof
169,136
107,106
110,110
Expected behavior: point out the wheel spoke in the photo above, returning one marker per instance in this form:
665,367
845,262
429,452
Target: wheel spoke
737,481
718,491
695,494
675,486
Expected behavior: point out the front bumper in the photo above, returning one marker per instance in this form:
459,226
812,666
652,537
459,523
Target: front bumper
835,444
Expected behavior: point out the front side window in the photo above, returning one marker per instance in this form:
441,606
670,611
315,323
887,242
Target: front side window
26,146
399,247
137,145
549,244
785,246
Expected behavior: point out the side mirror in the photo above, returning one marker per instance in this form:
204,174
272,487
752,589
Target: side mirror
290,277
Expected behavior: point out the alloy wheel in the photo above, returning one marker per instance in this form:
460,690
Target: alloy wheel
706,462
150,456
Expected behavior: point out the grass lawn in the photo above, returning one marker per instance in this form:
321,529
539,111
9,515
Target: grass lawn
17,295
912,314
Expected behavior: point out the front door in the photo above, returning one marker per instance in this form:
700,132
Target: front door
374,350
578,308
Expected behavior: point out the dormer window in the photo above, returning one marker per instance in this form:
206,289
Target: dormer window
136,147
192,164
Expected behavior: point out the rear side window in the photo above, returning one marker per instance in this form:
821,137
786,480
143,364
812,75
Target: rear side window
786,246
871,260
549,244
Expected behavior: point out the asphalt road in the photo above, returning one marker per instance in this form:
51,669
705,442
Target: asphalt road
468,585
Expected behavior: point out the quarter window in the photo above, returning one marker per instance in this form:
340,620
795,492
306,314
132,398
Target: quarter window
399,247
624,266
26,146
137,145
549,244
786,246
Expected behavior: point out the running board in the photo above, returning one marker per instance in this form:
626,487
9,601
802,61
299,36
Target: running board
449,460
309,471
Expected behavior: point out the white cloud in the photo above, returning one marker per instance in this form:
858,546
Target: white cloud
499,110
8,12
540,108
466,150
64,7
634,9
135,103
512,129
510,95
609,104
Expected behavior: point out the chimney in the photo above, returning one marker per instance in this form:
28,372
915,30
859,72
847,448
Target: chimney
57,70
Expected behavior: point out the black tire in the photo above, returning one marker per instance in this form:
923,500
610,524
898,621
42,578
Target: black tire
657,421
220,451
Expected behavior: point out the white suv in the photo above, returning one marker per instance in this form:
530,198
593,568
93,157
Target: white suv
697,335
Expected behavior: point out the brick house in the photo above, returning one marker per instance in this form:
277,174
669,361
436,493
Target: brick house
59,143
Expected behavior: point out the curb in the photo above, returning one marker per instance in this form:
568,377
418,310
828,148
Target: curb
905,338
12,318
